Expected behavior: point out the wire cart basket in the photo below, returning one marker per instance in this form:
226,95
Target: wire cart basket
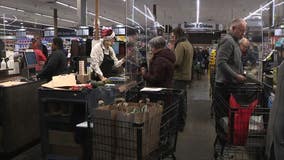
134,141
241,128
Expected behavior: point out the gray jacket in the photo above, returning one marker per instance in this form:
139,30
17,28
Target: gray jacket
275,130
228,60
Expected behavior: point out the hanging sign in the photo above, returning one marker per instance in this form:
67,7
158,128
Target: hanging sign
203,26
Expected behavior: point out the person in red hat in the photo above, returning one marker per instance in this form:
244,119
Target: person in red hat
104,60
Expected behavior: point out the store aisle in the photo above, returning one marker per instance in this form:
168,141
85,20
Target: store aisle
196,141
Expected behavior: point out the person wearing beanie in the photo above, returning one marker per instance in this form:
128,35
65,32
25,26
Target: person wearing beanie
103,57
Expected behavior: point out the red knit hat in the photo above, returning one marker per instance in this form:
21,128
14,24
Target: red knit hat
107,34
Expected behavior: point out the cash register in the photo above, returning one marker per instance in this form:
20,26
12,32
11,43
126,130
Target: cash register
31,62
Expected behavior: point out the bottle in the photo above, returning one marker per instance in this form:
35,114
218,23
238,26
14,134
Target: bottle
3,64
89,70
11,64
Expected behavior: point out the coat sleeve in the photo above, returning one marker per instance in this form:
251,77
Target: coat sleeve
96,59
117,63
224,53
50,66
157,74
41,56
179,52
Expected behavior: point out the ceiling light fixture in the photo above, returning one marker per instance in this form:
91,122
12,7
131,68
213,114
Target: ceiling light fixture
105,18
17,27
63,4
259,9
10,8
11,30
111,20
38,14
66,20
150,12
20,10
197,11
151,18
134,22
279,4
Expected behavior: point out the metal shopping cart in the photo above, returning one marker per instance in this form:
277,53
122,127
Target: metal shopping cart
241,128
125,140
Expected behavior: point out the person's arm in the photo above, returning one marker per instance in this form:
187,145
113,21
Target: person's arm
96,59
225,51
158,73
49,67
179,52
41,56
117,63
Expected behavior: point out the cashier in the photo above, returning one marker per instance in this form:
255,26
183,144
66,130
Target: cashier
103,58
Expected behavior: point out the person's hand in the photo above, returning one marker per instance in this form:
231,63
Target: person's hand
241,78
103,78
171,46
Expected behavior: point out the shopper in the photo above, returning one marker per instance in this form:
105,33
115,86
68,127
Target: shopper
275,130
183,68
40,57
247,55
229,68
134,62
56,63
161,67
104,62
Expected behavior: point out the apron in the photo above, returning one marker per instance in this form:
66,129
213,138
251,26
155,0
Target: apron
107,66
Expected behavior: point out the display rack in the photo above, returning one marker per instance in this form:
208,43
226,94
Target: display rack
23,43
9,43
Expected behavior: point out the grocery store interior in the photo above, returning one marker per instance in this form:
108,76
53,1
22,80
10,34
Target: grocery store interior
140,79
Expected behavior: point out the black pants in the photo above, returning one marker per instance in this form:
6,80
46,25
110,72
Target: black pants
182,85
220,105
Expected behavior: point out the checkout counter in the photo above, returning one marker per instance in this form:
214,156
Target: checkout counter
62,108
19,115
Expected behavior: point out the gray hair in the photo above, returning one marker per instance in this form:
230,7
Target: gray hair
237,22
157,42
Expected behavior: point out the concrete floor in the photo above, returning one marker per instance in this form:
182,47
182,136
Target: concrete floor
195,142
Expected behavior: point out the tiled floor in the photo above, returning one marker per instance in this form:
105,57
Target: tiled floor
195,142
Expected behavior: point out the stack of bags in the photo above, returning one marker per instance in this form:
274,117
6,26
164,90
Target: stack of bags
116,126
